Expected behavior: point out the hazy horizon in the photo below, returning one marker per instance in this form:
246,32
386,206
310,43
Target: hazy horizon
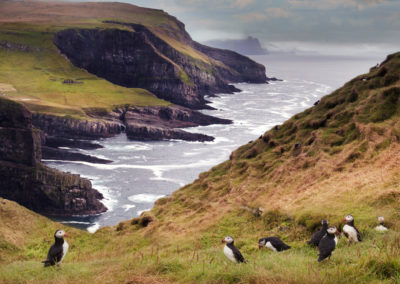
326,27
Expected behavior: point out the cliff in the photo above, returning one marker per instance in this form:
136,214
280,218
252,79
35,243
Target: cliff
25,179
141,59
248,46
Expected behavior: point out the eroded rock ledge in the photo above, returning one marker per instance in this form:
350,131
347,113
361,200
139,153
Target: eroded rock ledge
24,179
139,123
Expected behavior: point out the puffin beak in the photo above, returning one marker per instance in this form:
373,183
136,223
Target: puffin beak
344,220
66,235
223,241
259,246
337,233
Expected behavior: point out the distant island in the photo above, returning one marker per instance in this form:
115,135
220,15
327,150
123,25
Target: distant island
248,46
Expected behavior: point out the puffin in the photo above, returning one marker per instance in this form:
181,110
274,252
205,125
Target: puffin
328,243
273,243
231,252
350,231
58,250
317,236
381,227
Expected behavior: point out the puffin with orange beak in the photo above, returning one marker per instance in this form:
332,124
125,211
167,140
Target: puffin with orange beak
350,231
58,250
231,252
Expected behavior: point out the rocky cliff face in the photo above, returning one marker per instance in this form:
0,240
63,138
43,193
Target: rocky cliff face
142,59
139,123
24,179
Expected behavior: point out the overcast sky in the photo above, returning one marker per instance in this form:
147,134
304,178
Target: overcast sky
326,26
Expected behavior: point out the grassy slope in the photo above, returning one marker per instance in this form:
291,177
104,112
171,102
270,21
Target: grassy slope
346,162
36,71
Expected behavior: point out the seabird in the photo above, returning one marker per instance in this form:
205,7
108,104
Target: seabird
58,250
231,252
317,236
328,243
350,231
273,243
381,227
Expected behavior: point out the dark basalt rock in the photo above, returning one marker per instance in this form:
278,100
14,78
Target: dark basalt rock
24,179
66,155
141,59
139,123
55,142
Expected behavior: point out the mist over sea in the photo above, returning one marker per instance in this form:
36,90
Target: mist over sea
142,172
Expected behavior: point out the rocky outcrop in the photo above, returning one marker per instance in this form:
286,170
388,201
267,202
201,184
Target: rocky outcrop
68,127
142,59
139,123
161,123
23,178
52,153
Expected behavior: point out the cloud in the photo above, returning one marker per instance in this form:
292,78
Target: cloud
277,13
242,3
252,17
334,4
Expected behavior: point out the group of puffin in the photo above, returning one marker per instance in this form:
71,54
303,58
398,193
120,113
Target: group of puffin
325,239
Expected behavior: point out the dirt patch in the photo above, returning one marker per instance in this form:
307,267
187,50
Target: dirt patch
7,88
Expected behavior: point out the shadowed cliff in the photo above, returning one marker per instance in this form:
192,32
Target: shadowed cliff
25,179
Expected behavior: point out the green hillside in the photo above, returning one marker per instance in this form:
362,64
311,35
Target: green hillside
32,70
335,158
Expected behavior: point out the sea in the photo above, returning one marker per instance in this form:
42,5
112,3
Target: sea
143,172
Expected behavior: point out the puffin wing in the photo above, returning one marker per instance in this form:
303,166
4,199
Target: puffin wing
325,247
358,234
54,255
278,243
316,238
238,256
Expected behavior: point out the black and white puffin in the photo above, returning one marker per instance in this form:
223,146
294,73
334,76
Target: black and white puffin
317,236
350,231
273,243
231,252
381,227
328,243
58,250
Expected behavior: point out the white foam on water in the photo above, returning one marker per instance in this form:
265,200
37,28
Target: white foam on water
94,228
75,222
64,148
137,147
108,199
128,206
144,198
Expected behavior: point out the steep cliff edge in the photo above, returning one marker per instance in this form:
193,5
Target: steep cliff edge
23,178
82,56
140,58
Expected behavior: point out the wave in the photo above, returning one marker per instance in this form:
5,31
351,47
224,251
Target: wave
94,228
144,198
128,206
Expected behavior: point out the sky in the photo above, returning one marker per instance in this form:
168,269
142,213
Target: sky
342,27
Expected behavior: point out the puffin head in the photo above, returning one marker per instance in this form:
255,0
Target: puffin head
324,222
227,240
348,218
332,230
261,243
60,234
381,219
